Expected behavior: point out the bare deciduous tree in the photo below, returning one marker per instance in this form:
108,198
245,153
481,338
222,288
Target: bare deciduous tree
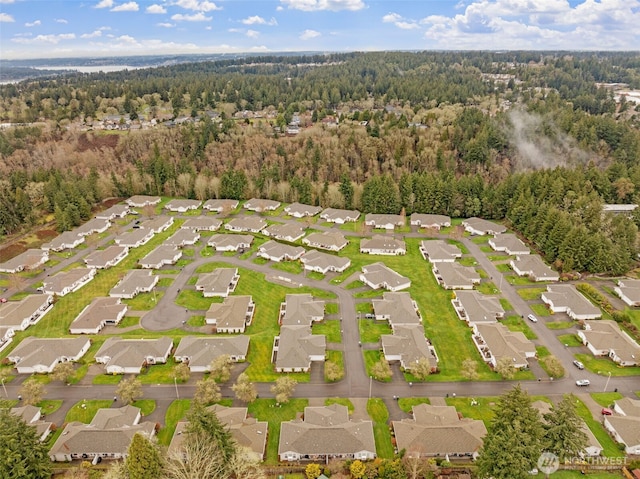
283,388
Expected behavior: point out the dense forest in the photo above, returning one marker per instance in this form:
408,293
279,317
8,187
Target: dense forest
539,140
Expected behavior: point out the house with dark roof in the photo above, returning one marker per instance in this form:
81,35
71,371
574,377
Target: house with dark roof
329,240
478,226
106,437
230,242
245,430
260,204
129,356
378,275
220,205
66,240
531,265
106,258
41,355
140,201
30,259
135,282
494,342
286,232
274,251
383,245
162,255
324,263
338,216
202,223
199,351
99,313
475,307
438,431
605,338
221,282
233,315
325,433
66,282
508,243
439,251
182,206
436,222
383,221
628,290
565,298
246,224
455,275
299,210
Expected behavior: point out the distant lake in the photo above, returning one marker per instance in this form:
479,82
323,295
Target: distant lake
92,68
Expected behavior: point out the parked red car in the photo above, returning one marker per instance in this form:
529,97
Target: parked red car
606,411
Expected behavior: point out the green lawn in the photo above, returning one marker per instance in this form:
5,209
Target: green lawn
504,268
315,275
468,261
371,293
330,328
293,267
529,294
610,448
165,282
107,379
541,310
331,308
570,340
355,284
372,356
175,412
49,406
516,323
129,321
147,406
144,301
560,325
379,414
371,330
196,321
159,373
488,288
266,410
406,404
335,357
364,308
84,411
506,305
605,366
606,399
194,300
343,401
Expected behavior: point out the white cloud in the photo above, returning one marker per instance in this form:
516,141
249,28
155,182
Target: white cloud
61,20
93,34
258,20
235,30
7,1
155,8
5,17
196,17
252,33
400,22
104,4
54,39
165,25
126,7
318,5
126,39
309,34
33,24
198,5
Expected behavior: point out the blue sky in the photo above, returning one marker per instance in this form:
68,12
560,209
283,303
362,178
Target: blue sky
73,28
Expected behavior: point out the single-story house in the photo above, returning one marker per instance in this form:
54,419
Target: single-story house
495,341
136,281
199,351
295,348
338,216
438,431
565,298
66,240
382,221
230,242
96,225
221,282
627,407
260,204
30,259
41,355
300,309
107,436
455,276
182,206
286,232
397,308
324,263
250,224
157,224
383,245
129,356
508,243
99,313
478,226
329,240
625,430
531,265
134,238
274,251
378,275
326,432
605,338
19,315
106,258
298,210
430,221
163,254
220,206
114,212
474,307
202,223
629,291
439,251
66,282
32,415
140,201
233,315
183,237
407,346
